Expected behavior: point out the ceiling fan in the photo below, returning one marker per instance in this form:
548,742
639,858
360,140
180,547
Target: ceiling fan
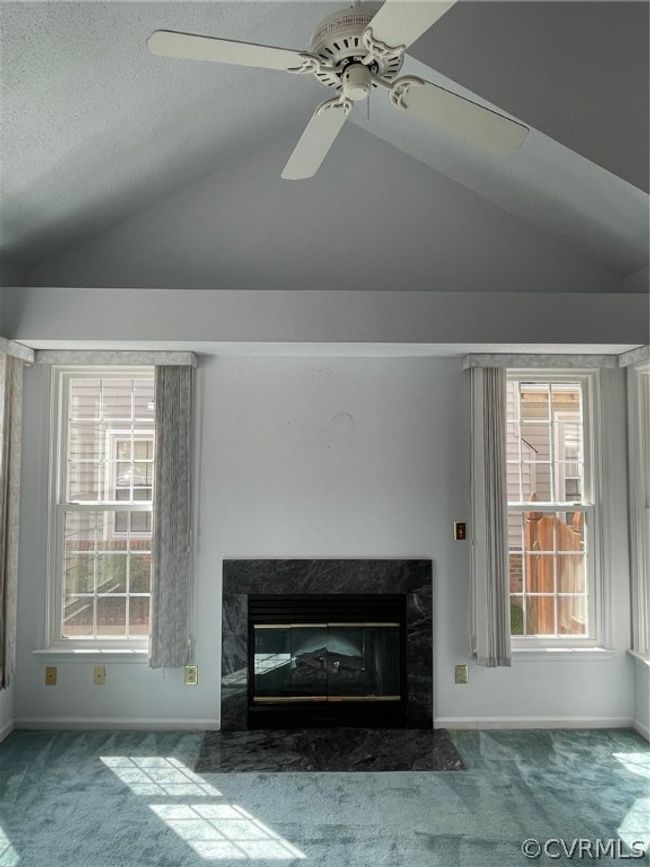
353,51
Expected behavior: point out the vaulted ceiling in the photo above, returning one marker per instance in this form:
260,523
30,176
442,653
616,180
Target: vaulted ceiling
120,168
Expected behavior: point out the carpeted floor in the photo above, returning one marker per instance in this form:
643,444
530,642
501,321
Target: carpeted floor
123,799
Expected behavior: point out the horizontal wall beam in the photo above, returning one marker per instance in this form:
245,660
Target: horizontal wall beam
34,314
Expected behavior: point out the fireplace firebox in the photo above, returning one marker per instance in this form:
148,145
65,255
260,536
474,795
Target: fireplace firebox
323,660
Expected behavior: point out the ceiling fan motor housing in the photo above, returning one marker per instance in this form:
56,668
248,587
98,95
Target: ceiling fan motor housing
338,41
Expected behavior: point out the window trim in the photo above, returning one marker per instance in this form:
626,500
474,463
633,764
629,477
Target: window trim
592,505
54,640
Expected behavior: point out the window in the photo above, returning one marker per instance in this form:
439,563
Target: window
551,509
103,496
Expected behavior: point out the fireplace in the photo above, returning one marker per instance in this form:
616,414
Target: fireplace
327,643
322,660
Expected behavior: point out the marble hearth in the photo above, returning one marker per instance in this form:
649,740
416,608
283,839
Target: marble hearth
244,578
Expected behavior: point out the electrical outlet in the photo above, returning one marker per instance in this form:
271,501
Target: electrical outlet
50,675
99,675
461,673
191,675
460,531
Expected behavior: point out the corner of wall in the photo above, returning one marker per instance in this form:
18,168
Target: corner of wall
6,712
637,282
10,275
641,722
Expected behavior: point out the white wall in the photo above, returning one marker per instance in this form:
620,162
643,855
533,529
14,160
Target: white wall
642,697
329,457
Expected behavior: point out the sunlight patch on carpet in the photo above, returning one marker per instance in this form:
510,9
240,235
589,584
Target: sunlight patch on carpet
215,830
8,855
226,831
636,763
634,830
156,775
635,827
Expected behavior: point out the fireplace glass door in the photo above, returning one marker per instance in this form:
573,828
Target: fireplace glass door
326,662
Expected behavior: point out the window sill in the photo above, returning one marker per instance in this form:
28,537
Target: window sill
93,654
563,654
640,657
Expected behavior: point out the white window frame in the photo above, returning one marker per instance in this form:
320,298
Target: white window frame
55,641
638,389
591,505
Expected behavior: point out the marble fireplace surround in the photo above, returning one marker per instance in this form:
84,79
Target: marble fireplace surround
244,577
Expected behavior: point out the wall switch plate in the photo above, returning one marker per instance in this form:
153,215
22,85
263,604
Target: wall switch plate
50,675
460,531
191,675
99,675
461,673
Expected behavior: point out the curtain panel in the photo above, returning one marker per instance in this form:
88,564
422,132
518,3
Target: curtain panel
489,586
11,390
171,552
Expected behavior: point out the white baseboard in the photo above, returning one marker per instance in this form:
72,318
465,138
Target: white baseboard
467,723
122,723
641,729
532,722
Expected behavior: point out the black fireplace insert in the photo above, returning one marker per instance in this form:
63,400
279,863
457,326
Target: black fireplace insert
323,660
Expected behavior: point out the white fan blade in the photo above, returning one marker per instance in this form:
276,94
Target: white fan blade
458,116
316,140
398,23
187,46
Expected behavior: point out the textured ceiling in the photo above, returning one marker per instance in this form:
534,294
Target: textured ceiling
95,131
577,72
372,218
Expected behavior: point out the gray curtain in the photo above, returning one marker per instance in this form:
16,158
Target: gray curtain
489,596
171,582
11,393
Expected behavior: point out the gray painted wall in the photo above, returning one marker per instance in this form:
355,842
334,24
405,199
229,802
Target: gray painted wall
10,274
638,282
331,457
242,227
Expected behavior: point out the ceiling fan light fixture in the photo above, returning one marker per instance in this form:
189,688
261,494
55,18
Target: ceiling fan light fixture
357,82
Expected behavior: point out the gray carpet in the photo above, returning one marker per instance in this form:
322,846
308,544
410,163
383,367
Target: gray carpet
129,800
